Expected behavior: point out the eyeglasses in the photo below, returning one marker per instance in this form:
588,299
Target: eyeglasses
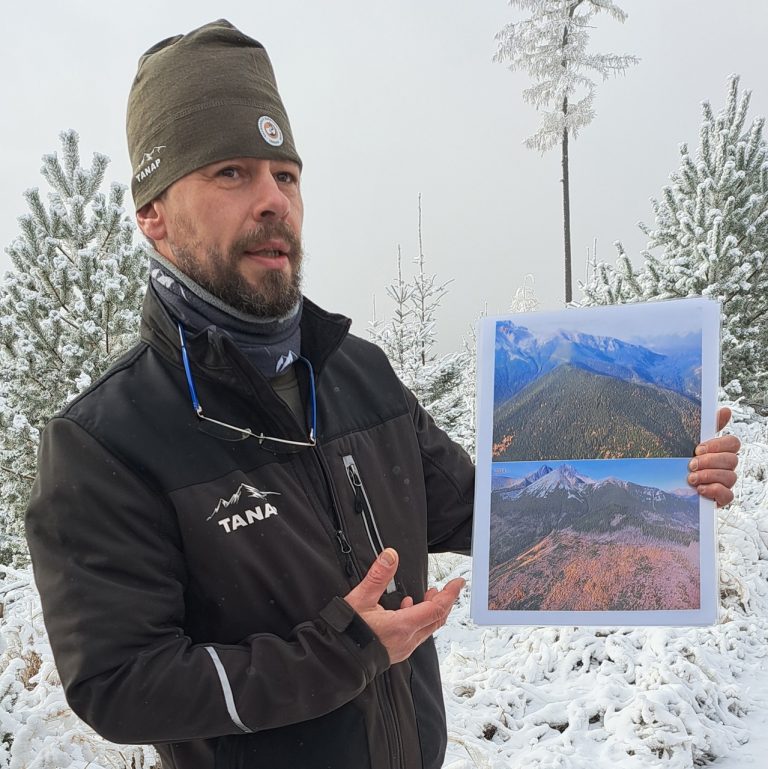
229,432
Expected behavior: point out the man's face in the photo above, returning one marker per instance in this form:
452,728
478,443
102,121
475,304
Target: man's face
234,227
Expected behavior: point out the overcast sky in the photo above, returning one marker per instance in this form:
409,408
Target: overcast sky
681,316
389,100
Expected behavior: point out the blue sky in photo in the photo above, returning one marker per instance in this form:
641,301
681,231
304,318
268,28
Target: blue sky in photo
664,474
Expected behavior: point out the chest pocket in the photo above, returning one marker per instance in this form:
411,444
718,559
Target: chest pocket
363,508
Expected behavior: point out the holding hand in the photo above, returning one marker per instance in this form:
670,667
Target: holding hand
712,469
402,630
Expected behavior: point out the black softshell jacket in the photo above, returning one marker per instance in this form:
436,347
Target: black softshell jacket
192,587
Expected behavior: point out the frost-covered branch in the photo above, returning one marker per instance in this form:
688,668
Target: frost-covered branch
710,238
70,305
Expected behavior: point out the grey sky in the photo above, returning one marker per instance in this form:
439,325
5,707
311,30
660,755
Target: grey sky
390,100
656,321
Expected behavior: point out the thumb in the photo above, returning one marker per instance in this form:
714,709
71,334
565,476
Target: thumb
723,417
375,582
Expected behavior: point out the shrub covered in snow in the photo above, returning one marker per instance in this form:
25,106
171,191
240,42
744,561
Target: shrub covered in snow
37,728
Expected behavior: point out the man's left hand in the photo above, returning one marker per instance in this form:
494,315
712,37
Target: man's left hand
712,469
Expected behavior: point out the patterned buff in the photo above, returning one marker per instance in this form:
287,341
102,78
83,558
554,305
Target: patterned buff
270,344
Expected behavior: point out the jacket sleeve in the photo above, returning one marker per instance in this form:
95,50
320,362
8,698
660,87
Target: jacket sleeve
449,477
109,566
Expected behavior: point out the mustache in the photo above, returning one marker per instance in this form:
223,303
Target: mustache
254,238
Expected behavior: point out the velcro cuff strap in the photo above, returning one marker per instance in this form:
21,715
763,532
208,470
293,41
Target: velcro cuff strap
344,619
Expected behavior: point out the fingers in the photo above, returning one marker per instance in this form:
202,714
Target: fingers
722,495
445,598
366,594
402,630
718,475
713,473
712,469
432,613
449,593
430,594
721,461
723,417
723,444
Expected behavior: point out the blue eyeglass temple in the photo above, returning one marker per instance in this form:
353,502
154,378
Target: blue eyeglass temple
196,401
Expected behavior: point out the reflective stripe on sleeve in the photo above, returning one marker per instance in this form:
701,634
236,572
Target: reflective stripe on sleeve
227,690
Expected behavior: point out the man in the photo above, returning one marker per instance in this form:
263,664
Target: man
230,529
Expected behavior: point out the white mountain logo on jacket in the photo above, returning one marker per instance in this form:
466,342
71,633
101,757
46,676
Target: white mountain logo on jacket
245,517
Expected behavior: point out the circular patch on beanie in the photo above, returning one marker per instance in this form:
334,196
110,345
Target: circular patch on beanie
270,131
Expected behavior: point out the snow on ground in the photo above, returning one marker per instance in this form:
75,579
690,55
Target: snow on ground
753,754
532,697
635,698
37,728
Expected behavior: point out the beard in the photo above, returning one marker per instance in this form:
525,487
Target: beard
277,292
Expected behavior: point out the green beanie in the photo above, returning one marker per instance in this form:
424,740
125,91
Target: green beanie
200,98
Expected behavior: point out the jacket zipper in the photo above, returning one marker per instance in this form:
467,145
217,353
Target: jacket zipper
383,682
350,567
363,507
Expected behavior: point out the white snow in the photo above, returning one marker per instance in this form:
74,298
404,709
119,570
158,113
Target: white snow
571,698
516,697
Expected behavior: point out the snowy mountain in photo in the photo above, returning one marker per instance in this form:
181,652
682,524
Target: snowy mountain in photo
564,478
570,395
505,483
569,542
568,495
521,357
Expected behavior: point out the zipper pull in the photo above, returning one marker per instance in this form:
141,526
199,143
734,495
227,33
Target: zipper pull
346,549
357,484
344,545
354,478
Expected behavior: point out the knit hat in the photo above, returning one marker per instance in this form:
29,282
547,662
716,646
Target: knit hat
199,98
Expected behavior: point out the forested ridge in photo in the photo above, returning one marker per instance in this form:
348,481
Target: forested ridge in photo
561,540
578,396
577,414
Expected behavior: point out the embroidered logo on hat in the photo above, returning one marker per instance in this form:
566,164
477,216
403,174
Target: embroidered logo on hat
150,163
270,131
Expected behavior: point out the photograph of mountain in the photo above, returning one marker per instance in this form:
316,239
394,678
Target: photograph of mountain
599,388
619,535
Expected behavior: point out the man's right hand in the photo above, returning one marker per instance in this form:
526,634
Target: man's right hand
402,630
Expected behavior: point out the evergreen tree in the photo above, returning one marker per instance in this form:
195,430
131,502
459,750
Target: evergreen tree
408,339
68,309
396,335
551,45
462,422
408,336
525,299
711,239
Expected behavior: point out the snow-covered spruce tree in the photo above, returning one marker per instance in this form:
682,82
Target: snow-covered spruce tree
551,45
68,308
408,339
711,239
525,299
395,335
